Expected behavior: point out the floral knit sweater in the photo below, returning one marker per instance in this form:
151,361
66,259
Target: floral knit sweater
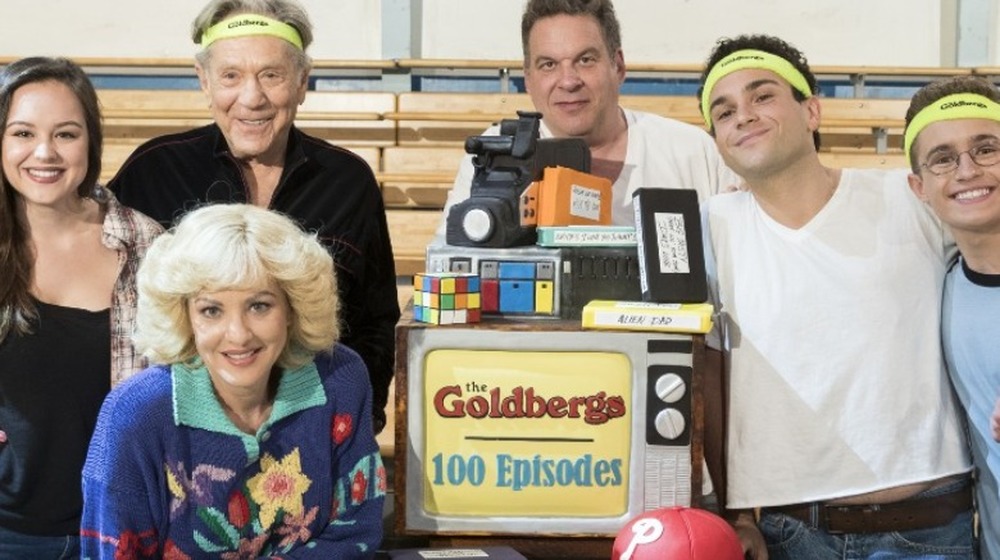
168,475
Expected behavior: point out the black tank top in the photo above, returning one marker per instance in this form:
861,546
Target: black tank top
52,384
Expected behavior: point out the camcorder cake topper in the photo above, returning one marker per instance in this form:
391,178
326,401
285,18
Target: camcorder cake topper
511,189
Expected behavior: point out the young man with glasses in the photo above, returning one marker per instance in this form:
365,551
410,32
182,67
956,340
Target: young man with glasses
843,431
947,121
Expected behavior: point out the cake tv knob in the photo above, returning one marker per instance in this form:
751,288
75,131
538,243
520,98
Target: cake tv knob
670,388
670,423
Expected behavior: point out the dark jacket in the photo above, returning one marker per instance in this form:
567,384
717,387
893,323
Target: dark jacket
329,190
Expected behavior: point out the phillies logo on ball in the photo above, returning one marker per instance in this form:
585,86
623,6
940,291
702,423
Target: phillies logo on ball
644,531
677,533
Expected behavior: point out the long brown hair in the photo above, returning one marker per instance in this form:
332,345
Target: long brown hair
16,258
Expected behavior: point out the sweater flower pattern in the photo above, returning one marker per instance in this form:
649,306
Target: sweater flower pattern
277,494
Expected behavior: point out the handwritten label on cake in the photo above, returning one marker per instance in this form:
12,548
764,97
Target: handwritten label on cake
585,203
586,236
624,318
671,243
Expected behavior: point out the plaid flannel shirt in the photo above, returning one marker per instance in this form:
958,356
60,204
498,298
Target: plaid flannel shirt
128,233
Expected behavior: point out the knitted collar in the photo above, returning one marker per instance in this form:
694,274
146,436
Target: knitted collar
196,405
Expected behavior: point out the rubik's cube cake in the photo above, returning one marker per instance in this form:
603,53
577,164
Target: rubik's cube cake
445,298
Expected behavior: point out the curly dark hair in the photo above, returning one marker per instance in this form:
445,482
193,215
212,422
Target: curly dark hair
769,44
943,88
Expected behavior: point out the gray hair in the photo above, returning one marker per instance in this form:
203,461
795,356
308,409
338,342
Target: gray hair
285,11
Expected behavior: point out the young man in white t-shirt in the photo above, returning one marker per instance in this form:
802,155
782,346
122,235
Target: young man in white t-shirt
952,141
842,428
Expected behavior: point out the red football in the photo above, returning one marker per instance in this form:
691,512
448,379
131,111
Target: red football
677,533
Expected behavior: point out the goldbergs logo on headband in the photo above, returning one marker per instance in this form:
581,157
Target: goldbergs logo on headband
739,58
751,59
956,106
962,103
250,24
246,22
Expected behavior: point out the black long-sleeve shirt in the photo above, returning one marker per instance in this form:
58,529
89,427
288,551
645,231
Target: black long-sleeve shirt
328,190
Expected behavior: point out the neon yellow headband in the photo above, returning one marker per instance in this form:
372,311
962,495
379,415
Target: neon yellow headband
250,24
750,58
950,108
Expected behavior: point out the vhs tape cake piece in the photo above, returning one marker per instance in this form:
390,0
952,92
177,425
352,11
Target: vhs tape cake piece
586,236
645,316
671,252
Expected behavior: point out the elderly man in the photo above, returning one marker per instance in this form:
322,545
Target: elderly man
254,70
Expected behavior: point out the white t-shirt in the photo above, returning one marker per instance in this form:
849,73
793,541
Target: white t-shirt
661,153
837,380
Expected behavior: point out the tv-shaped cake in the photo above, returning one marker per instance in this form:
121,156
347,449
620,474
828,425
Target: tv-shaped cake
541,428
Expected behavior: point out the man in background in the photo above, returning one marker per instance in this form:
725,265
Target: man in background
573,70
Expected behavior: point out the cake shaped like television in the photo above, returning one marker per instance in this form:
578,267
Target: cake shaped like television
542,429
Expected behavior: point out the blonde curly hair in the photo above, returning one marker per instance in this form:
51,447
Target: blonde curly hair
232,247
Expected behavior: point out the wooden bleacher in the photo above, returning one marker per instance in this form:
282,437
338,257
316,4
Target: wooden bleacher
411,231
443,119
447,119
860,123
419,176
352,118
116,151
414,140
862,159
137,115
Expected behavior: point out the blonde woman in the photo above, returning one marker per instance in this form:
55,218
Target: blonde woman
255,436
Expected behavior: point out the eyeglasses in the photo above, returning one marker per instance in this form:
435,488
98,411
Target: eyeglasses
943,163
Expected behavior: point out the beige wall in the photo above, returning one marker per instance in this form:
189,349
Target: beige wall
849,32
344,29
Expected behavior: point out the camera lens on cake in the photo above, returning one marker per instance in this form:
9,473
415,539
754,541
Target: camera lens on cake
477,224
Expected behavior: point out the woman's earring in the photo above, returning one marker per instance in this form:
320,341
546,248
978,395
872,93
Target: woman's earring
100,194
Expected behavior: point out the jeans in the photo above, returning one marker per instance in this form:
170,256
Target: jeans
18,546
790,539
